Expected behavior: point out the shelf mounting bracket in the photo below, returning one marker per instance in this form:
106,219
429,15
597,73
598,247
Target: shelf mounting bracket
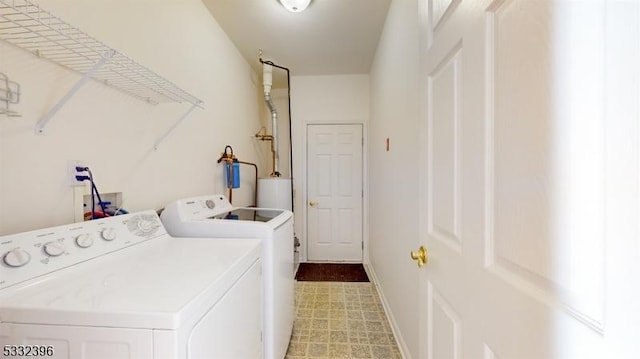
197,104
87,75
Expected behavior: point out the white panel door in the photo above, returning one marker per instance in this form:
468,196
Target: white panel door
529,179
334,192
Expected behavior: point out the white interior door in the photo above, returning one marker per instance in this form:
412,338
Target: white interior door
334,192
529,192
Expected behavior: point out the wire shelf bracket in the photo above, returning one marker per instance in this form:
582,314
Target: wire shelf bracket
9,94
25,25
43,121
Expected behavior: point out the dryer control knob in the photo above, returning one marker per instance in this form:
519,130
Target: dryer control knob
16,257
210,204
84,240
108,234
54,248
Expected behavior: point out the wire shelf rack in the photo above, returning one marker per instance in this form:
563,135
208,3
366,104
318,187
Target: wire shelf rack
24,24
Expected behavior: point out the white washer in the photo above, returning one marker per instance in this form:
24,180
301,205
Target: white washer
121,287
214,216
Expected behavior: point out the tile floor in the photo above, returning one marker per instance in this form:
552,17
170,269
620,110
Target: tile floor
340,320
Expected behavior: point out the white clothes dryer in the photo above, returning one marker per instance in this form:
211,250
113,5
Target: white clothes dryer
122,288
214,216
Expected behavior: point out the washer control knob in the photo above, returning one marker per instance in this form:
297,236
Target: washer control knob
16,257
145,226
54,248
108,234
210,204
84,240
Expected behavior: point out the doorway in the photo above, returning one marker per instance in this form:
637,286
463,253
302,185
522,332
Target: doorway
334,192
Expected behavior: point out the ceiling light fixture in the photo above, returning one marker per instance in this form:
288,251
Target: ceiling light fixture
295,5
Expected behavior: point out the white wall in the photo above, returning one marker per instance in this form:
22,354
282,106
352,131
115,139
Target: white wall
324,100
113,132
393,175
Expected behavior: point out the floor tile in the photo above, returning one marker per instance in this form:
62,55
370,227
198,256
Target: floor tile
340,320
318,350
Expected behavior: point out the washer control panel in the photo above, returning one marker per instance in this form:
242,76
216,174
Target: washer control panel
28,255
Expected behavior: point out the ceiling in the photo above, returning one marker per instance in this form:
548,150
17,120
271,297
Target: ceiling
331,37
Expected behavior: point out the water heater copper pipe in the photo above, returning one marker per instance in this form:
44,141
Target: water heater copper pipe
274,172
255,193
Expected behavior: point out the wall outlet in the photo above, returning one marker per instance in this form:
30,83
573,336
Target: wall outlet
72,173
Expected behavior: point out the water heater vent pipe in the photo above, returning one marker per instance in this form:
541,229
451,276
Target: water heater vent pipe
267,72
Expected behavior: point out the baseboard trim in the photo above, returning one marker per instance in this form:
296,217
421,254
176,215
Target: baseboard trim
402,346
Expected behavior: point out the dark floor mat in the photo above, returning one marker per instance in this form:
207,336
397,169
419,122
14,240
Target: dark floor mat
331,272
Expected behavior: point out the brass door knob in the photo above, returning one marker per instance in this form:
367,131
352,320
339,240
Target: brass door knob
421,256
313,203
